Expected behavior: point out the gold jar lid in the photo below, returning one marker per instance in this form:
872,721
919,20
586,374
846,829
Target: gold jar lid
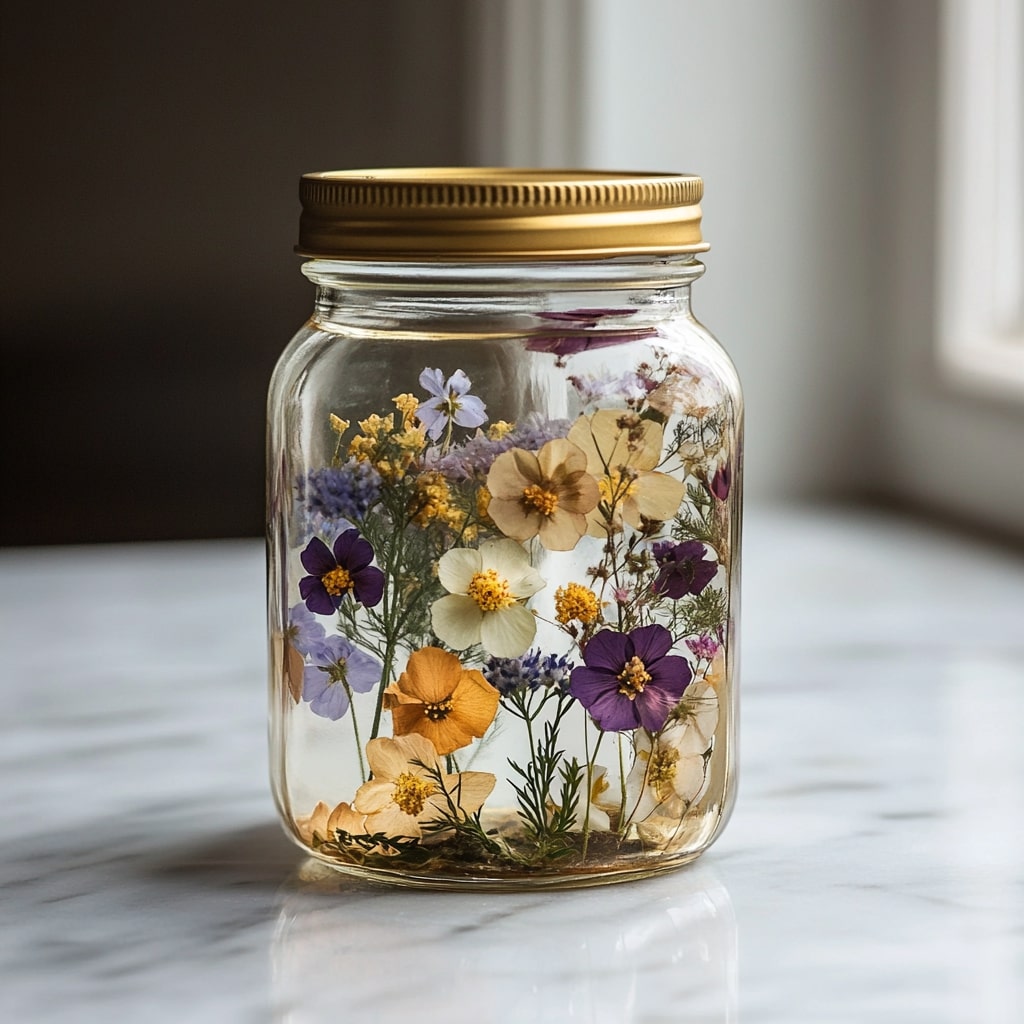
497,213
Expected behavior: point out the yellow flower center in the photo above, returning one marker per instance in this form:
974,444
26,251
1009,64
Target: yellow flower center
617,486
662,771
439,710
575,601
633,678
490,591
337,581
411,793
545,502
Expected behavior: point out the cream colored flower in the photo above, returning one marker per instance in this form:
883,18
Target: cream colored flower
622,451
410,788
487,588
670,771
325,823
545,494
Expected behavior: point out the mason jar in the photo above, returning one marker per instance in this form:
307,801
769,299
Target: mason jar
504,498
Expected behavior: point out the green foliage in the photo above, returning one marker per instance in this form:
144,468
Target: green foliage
548,823
702,613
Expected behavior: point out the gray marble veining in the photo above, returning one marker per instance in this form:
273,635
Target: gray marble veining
872,870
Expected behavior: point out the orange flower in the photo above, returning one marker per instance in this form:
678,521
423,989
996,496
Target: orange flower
545,494
442,701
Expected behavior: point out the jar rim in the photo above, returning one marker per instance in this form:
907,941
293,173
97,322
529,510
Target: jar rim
483,214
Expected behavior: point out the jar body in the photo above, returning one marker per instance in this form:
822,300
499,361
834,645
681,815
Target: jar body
503,519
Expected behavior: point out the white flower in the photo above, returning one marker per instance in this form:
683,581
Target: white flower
669,774
487,588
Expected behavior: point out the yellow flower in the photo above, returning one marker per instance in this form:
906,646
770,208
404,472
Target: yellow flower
432,500
622,451
338,425
545,494
499,429
487,588
325,823
442,701
407,405
410,787
576,602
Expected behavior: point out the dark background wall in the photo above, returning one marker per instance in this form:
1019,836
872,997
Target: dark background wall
150,173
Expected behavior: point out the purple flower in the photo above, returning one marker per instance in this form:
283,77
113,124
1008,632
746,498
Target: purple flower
583,320
475,456
338,668
340,492
450,402
705,646
530,672
721,482
630,679
684,569
304,631
346,570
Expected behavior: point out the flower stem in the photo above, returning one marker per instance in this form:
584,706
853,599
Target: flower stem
355,729
591,758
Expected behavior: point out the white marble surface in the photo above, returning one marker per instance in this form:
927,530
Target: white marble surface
871,872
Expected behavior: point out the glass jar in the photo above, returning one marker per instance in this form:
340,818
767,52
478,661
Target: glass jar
503,521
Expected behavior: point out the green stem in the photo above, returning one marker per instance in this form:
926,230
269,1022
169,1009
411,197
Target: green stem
591,759
355,729
622,782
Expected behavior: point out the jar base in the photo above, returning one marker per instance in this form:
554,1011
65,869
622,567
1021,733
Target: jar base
577,879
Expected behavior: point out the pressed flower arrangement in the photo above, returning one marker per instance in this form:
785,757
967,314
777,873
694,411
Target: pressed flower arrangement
503,581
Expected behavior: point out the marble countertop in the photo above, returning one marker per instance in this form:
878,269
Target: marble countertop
871,871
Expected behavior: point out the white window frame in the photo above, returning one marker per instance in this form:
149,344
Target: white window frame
981,215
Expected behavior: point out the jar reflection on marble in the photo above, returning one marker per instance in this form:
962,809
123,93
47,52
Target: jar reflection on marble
504,510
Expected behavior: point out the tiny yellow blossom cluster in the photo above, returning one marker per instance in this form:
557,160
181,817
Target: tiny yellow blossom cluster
575,602
500,429
433,502
391,450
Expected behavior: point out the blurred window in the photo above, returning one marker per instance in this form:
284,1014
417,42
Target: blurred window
981,240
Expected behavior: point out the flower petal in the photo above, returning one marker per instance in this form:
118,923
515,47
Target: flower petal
352,552
653,707
607,650
457,568
362,671
560,456
458,384
651,642
475,702
505,557
469,790
317,558
561,531
315,595
471,412
525,583
613,712
514,518
457,619
375,795
657,496
445,735
511,472
507,633
368,586
432,381
671,675
432,674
